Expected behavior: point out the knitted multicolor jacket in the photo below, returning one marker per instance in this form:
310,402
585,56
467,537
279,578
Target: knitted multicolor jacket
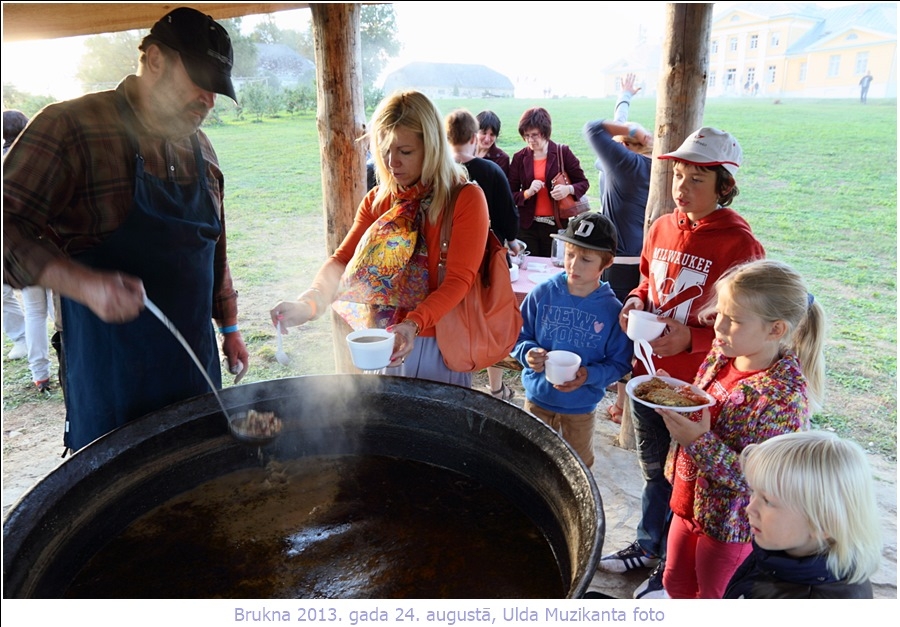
760,407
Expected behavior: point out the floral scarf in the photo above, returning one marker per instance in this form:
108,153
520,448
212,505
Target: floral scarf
388,274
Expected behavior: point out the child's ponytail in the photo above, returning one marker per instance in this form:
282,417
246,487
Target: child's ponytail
808,342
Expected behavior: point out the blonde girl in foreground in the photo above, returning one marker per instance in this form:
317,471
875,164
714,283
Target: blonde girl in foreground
813,517
765,372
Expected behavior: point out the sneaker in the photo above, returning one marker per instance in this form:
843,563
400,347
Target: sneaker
43,387
628,559
652,586
19,350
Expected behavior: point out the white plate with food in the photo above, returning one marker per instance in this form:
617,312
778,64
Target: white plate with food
668,393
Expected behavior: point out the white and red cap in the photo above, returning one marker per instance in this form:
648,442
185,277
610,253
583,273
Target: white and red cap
709,147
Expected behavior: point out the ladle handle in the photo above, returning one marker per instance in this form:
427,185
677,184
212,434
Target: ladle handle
150,305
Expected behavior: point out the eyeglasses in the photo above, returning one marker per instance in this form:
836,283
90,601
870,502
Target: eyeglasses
528,136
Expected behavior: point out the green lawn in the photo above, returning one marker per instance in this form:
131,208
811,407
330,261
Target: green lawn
819,188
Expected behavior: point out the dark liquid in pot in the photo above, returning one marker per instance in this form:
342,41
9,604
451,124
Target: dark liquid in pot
329,527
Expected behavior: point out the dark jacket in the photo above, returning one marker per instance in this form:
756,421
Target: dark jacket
777,575
521,175
499,157
502,209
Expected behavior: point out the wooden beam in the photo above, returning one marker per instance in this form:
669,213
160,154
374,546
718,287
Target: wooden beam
46,20
341,120
679,111
682,95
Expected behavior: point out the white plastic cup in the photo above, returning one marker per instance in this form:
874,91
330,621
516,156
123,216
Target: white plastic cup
643,325
514,273
371,349
561,366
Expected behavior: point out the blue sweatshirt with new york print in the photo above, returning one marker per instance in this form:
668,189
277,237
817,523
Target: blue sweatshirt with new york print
553,319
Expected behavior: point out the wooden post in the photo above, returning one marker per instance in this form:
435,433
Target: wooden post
340,116
681,95
679,111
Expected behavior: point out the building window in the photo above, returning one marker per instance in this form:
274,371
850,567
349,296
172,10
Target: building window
714,46
776,40
834,65
730,75
803,72
751,76
712,79
732,44
770,78
862,62
754,41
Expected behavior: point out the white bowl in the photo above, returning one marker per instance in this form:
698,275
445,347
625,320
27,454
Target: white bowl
371,349
561,366
643,325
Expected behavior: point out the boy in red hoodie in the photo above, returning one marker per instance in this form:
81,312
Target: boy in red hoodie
684,253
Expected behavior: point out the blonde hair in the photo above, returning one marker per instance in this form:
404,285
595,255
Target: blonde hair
633,146
828,481
774,291
413,111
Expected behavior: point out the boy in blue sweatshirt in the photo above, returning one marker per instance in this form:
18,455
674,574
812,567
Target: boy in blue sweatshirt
575,311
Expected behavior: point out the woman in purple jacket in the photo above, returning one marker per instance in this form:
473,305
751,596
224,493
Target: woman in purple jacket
530,175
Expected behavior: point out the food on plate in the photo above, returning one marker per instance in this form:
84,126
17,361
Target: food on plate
659,392
258,424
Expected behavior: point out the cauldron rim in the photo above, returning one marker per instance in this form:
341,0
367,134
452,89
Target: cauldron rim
201,419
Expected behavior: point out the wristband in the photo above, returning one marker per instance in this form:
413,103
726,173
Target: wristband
229,329
633,131
311,298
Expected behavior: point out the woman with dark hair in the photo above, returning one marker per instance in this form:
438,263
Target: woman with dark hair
530,175
488,134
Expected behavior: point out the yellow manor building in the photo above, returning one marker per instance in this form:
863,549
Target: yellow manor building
793,49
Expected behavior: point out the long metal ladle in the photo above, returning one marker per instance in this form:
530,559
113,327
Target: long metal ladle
234,422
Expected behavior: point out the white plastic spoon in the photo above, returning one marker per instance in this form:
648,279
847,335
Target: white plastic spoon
280,356
644,352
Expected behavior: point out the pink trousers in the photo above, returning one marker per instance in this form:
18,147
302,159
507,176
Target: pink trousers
698,567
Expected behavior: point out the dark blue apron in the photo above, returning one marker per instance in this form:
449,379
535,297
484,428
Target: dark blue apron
118,372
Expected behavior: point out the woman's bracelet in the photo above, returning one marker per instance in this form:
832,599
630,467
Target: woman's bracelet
414,323
311,298
229,329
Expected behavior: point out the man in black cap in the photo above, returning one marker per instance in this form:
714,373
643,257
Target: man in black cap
117,197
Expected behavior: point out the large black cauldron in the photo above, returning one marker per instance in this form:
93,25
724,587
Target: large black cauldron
55,528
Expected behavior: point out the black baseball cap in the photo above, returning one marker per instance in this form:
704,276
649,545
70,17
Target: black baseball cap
204,46
590,230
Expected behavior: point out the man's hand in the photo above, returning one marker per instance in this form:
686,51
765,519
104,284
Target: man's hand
116,298
236,354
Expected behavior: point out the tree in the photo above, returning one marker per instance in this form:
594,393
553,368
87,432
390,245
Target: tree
377,27
266,32
245,60
26,102
108,59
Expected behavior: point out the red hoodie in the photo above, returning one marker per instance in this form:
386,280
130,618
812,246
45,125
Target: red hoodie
680,264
